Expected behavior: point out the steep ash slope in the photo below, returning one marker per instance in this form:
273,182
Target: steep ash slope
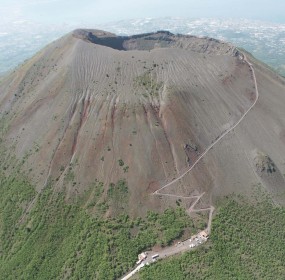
140,109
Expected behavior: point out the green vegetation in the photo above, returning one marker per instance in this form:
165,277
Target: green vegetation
148,83
122,164
57,240
172,223
69,177
15,196
120,188
94,194
118,196
247,242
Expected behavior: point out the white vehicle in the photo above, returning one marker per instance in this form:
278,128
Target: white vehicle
155,256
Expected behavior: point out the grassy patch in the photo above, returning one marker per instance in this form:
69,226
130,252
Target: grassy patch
118,196
148,83
119,190
93,195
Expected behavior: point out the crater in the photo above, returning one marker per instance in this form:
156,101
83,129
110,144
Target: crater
146,41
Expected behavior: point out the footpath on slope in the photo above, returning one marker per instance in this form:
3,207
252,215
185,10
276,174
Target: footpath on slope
221,136
172,250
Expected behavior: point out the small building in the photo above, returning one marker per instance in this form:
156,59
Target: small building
204,234
141,257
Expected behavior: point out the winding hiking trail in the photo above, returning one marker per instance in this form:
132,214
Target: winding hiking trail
172,250
211,208
221,136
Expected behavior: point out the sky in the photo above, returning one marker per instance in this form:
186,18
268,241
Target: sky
102,11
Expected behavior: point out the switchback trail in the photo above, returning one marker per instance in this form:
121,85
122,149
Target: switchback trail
171,250
211,208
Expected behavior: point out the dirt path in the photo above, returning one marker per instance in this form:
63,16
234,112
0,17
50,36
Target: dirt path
222,135
172,250
211,208
197,200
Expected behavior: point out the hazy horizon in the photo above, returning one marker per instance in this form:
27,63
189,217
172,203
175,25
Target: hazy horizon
98,12
28,25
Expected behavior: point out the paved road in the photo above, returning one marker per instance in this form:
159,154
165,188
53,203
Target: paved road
134,271
186,245
180,247
209,226
176,249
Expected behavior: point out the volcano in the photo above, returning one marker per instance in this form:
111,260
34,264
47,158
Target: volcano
139,111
